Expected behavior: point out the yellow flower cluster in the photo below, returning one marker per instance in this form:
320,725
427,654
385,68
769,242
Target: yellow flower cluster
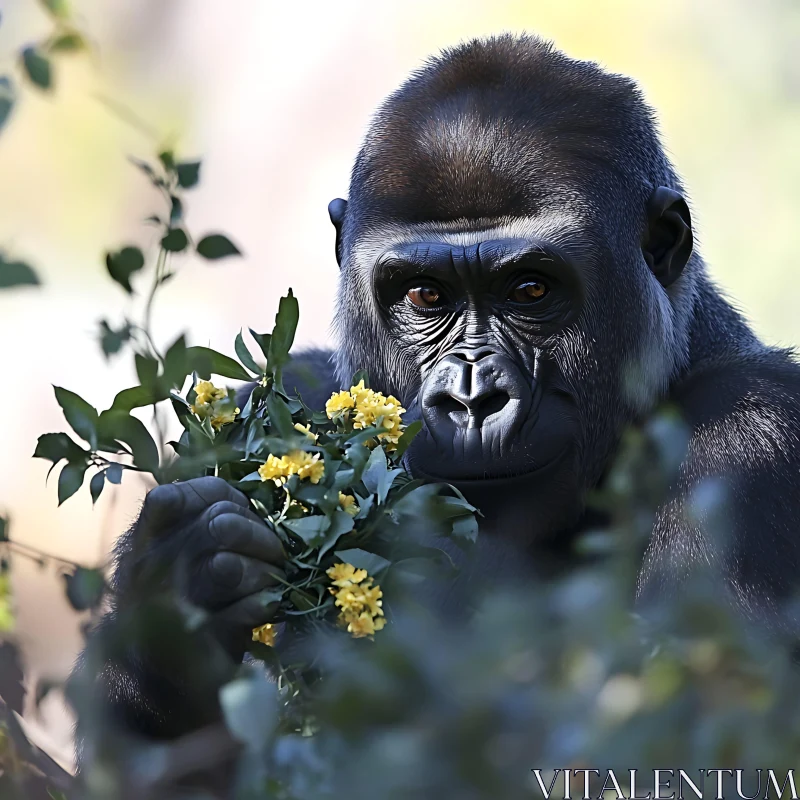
265,634
6,603
348,503
368,408
360,602
213,403
297,462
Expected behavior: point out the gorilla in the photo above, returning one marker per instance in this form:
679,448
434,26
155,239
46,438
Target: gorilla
517,265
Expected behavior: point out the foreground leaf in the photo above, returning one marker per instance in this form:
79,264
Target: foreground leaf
71,479
206,362
57,446
123,264
37,67
81,416
175,241
216,246
361,559
188,174
132,431
283,335
7,98
85,588
16,273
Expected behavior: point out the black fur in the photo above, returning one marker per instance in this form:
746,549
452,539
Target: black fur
508,139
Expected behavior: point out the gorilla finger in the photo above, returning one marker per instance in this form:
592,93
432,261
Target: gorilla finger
166,505
228,577
243,533
247,613
204,492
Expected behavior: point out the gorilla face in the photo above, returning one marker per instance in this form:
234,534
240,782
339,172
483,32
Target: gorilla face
477,318
510,254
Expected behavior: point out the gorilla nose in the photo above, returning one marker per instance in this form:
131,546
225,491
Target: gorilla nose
473,388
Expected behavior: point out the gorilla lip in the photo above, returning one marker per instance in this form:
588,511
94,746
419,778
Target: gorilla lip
497,479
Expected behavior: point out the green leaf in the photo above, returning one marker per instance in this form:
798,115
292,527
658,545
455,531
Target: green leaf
244,355
56,8
215,246
167,159
112,341
136,397
406,438
176,211
114,473
341,523
283,333
7,99
57,446
85,588
280,417
175,241
361,559
37,67
176,363
16,273
71,479
123,264
81,416
262,340
132,431
310,529
67,42
465,530
96,485
146,370
250,709
376,469
206,362
188,174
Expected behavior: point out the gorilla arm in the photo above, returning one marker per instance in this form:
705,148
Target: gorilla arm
737,500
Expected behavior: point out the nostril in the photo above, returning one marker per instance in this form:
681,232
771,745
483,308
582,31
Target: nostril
493,404
455,409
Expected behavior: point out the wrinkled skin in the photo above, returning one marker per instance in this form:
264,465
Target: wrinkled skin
518,267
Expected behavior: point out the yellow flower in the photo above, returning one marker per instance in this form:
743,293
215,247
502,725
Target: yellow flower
306,429
265,634
304,465
348,503
207,393
273,469
339,401
363,625
221,418
371,599
7,620
359,601
343,574
371,408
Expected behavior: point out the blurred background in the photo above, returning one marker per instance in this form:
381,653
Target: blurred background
275,97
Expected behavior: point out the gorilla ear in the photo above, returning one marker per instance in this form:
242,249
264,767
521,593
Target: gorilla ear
668,240
336,211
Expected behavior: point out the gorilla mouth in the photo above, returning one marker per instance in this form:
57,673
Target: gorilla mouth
497,479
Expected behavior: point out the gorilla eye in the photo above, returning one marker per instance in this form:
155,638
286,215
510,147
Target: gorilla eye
528,292
425,296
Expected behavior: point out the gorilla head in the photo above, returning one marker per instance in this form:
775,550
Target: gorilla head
512,262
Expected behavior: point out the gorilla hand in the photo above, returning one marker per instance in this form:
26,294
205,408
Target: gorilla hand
200,539
197,539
